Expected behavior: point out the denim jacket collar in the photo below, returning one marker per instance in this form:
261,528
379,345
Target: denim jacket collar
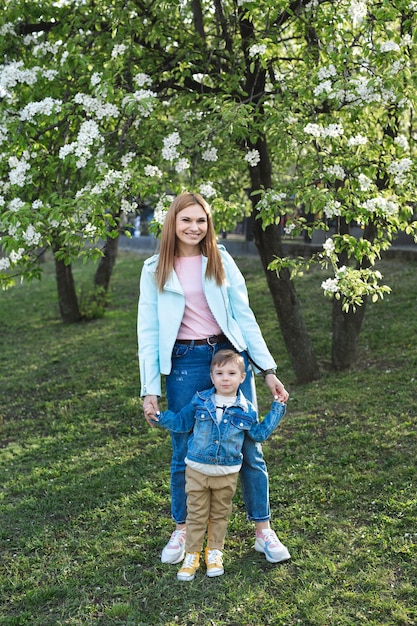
207,396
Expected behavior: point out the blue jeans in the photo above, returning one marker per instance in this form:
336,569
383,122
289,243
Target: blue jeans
191,373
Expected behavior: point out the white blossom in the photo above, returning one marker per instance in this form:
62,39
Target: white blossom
31,236
357,140
406,40
7,29
46,47
173,139
127,158
402,141
153,170
384,205
18,169
253,157
330,285
336,170
161,208
118,50
207,190
16,204
328,246
313,129
333,208
95,106
399,169
364,182
257,50
357,11
316,130
16,255
95,79
325,86
128,207
289,228
14,73
210,154
88,134
326,72
142,79
144,101
269,199
169,151
4,263
47,106
389,46
181,165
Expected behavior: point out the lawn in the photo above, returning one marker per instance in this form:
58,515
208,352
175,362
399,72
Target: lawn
84,500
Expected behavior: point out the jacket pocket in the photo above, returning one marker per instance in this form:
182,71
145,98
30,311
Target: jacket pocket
241,422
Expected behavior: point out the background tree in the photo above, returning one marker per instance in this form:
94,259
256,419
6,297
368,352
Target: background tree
304,107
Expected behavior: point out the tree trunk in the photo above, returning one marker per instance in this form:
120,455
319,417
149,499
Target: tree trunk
347,326
268,241
105,267
67,297
287,306
286,303
346,331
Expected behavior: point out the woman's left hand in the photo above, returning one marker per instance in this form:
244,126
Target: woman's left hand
277,388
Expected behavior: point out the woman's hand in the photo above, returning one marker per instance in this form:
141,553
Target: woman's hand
277,388
150,407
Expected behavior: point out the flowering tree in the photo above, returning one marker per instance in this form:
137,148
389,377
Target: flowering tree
302,109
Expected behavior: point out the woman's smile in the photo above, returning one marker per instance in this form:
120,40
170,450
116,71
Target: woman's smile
190,229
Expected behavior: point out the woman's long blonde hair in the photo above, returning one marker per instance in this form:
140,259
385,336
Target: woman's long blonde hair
168,245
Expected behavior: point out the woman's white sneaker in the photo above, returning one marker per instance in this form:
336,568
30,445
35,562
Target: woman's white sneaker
267,542
175,549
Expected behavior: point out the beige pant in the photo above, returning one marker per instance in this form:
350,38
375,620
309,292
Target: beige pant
209,502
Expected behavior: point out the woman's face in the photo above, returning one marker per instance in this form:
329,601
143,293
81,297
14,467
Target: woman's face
190,229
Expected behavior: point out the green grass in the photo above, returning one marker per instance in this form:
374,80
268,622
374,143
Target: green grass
84,500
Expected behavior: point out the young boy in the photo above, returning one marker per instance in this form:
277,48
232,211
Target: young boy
218,419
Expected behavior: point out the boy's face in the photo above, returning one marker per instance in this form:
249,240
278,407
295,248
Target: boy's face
226,378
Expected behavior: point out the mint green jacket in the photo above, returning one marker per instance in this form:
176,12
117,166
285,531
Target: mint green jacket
160,314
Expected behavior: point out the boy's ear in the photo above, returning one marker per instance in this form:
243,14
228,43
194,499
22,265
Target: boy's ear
243,376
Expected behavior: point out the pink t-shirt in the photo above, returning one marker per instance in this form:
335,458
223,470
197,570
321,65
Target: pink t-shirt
198,321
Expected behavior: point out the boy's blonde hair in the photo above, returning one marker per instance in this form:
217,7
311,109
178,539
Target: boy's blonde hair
224,356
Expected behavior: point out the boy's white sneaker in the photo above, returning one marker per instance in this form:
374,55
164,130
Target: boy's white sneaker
267,542
175,549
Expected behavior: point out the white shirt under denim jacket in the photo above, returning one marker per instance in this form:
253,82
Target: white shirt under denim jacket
212,442
160,314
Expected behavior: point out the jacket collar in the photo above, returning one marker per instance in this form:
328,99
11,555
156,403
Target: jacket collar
207,397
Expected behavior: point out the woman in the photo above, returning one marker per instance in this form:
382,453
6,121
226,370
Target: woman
193,301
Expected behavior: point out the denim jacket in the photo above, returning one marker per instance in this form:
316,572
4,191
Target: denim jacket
220,444
160,314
